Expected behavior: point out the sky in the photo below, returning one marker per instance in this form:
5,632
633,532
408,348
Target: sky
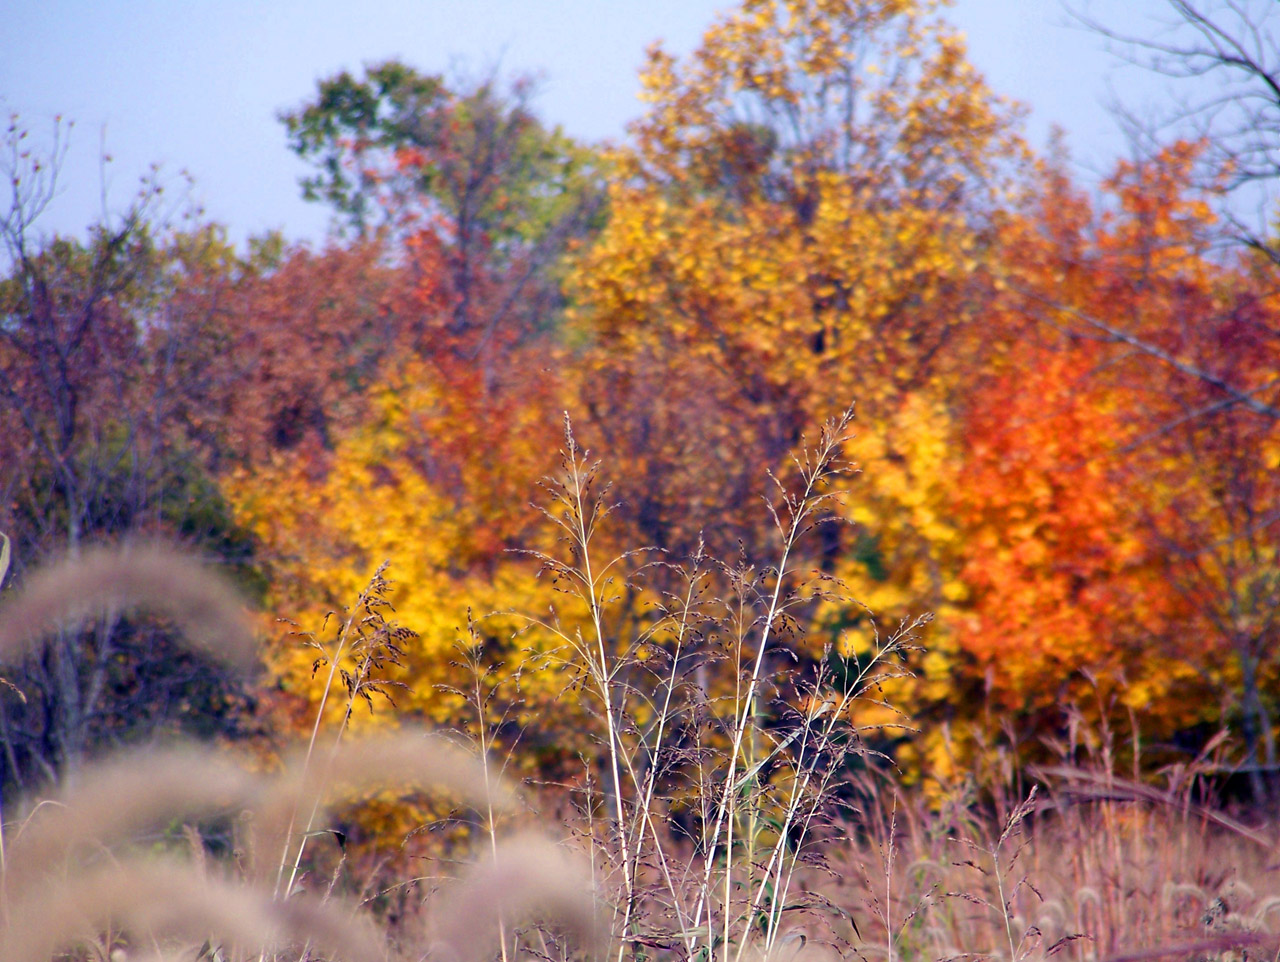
196,86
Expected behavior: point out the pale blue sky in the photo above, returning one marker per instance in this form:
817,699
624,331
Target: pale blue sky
196,85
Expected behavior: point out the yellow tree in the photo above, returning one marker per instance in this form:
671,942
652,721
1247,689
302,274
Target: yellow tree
416,373
801,224
426,486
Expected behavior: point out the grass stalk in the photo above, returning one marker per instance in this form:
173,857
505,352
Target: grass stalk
800,510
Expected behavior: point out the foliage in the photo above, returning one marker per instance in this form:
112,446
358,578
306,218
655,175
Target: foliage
1066,441
93,359
480,199
1094,554
823,202
1067,450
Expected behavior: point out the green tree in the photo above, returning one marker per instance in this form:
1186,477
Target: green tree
468,180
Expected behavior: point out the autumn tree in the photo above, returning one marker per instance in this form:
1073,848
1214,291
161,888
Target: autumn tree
1210,446
1117,503
428,348
464,202
801,224
1063,407
483,196
91,367
1209,437
301,335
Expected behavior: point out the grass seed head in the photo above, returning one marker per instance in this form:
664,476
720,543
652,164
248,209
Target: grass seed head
529,877
155,576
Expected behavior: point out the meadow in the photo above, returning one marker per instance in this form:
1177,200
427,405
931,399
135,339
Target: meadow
818,527
755,822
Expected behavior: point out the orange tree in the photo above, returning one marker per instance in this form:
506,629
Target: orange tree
1196,336
1118,542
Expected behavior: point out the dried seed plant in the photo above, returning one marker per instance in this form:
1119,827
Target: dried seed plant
485,696
152,575
166,904
996,861
72,873
1152,862
356,658
724,735
123,796
1103,867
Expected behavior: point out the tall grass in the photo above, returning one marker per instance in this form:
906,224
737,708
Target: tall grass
734,810
1089,864
724,732
87,870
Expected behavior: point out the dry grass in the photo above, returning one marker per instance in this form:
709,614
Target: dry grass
528,877
719,820
723,732
155,576
73,870
88,871
165,905
1132,873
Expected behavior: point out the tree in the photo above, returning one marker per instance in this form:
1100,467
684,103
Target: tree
801,224
300,337
419,483
1209,441
1224,58
469,180
1120,499
91,360
418,365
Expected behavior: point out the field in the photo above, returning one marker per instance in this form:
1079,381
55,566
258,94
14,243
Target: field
760,822
818,526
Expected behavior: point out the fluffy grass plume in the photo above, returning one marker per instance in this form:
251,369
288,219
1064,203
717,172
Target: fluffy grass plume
145,575
528,877
168,901
121,798
67,875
